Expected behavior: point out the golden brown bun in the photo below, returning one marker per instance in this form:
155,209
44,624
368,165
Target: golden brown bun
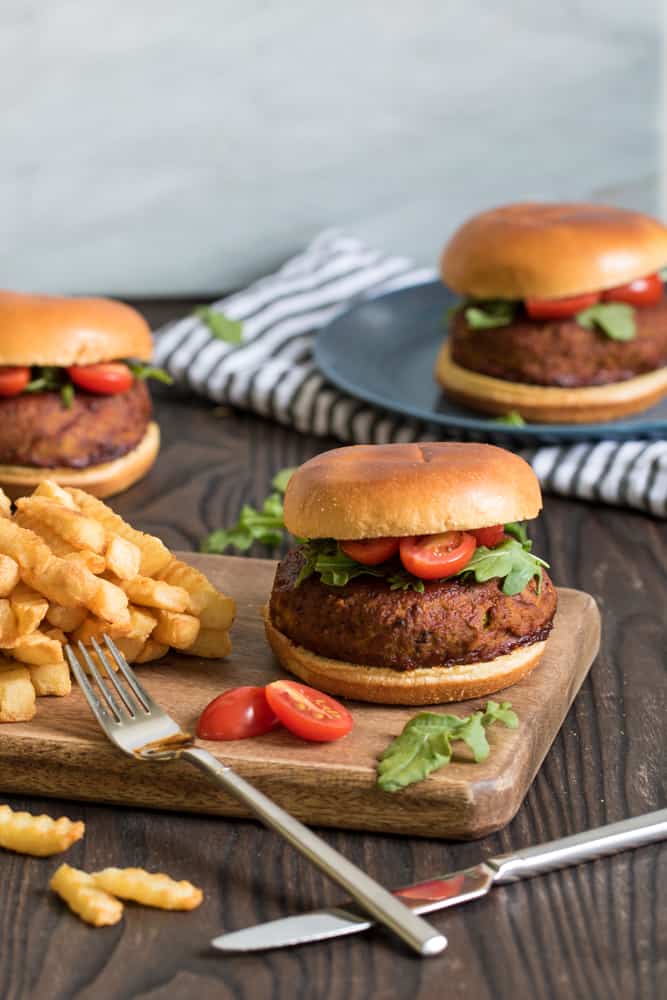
550,250
370,491
101,480
547,404
423,686
47,330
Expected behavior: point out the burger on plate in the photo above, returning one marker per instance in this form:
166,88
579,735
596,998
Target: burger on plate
564,317
74,406
416,583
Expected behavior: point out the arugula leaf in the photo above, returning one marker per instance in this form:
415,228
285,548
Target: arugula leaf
510,560
325,557
143,372
517,530
221,326
402,580
282,478
425,744
486,315
264,526
46,378
513,418
67,395
615,319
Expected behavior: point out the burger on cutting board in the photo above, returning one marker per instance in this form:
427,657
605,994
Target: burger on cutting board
564,317
415,582
74,406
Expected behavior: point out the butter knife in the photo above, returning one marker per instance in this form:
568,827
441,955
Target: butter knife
459,887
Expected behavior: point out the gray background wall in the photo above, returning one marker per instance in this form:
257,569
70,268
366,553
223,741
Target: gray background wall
165,146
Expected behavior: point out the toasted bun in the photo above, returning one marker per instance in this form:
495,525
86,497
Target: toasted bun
46,330
101,480
551,250
546,404
423,686
369,491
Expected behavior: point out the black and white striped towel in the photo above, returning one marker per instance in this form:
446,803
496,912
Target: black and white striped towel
272,373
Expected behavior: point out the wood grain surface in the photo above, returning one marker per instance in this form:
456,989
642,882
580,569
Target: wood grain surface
63,752
595,932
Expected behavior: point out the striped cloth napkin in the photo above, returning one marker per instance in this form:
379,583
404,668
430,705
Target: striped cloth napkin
272,373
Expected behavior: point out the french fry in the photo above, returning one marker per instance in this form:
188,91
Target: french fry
51,679
152,651
210,643
37,649
177,630
8,630
155,594
83,896
79,531
154,554
29,608
148,888
9,574
123,558
130,646
5,505
214,610
92,561
142,623
67,619
110,602
55,633
47,488
17,695
94,628
40,836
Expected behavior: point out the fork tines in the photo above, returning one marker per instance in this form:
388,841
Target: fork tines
110,708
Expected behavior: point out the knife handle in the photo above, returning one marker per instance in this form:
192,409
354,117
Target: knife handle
588,846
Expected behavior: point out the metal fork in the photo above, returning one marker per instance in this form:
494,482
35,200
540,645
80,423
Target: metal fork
140,728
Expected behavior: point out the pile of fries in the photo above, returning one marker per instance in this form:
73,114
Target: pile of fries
70,570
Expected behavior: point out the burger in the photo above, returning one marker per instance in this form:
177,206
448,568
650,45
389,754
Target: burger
74,406
415,582
563,317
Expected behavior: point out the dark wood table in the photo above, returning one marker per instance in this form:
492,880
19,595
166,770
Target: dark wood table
597,931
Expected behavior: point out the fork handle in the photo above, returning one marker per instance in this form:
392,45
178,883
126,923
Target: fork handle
376,900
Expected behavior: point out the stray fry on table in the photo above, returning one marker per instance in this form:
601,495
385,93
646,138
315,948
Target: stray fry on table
79,890
148,888
40,836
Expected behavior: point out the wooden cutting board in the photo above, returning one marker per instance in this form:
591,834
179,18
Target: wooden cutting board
63,753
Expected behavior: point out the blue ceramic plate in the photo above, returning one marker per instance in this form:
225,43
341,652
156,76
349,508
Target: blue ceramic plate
383,350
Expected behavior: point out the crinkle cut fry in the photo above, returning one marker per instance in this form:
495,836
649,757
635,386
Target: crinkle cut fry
40,836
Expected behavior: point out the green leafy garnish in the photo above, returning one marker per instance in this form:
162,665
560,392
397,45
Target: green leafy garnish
513,419
425,745
142,372
402,580
512,561
486,315
266,526
450,313
615,319
47,378
67,395
282,478
221,326
325,557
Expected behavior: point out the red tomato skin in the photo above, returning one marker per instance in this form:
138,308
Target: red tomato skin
308,713
371,551
646,291
107,379
436,557
490,537
560,308
13,380
236,715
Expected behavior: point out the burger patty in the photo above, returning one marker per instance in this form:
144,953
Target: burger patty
37,430
561,352
365,622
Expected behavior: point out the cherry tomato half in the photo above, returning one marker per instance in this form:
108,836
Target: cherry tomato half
434,557
13,380
308,713
560,308
371,551
490,537
640,292
106,379
237,714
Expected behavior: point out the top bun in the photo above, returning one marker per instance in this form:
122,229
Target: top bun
551,250
372,491
47,330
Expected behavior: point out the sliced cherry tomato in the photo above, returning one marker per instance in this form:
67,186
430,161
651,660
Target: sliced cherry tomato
560,308
105,379
640,292
371,551
237,714
489,536
13,380
308,713
434,557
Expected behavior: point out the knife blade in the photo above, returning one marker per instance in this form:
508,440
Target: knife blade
458,887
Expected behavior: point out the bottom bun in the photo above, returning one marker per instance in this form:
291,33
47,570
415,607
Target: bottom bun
423,686
101,480
548,404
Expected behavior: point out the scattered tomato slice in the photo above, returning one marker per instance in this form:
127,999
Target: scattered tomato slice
13,380
490,537
237,714
106,379
560,308
434,557
308,713
371,551
646,291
